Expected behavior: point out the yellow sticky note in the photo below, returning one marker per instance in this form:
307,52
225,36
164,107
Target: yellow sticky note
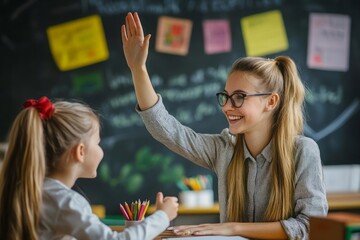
78,43
264,33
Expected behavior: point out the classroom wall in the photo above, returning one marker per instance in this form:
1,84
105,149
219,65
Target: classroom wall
135,165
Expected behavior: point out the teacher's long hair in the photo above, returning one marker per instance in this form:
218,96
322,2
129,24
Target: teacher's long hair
278,75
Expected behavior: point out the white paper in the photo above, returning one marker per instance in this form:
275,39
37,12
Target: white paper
208,238
328,42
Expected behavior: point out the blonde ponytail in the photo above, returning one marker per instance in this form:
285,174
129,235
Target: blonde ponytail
288,123
21,178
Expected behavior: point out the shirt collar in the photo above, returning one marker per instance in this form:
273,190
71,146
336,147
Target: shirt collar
265,153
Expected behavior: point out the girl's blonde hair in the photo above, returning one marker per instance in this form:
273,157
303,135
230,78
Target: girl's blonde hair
35,145
280,76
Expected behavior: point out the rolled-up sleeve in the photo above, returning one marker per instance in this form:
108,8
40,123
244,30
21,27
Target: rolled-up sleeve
310,195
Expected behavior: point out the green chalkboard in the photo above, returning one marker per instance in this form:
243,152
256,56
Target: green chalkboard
135,165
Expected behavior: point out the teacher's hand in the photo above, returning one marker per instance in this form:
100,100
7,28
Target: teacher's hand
226,229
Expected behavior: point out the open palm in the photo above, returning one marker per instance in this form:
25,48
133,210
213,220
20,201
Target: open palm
135,45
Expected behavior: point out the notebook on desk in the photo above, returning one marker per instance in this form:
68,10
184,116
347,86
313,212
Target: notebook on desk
207,238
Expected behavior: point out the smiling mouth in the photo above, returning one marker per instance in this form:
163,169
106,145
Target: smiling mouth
233,118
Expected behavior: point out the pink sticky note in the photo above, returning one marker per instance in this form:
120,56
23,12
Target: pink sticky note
217,37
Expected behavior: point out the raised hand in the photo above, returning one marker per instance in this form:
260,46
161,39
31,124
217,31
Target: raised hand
136,48
135,45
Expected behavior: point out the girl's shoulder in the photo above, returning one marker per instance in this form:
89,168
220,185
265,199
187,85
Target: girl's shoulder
62,196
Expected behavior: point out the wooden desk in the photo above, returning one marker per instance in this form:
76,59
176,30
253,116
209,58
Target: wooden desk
337,202
185,210
165,234
193,215
344,201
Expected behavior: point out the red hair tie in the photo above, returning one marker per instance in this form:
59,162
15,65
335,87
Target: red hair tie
43,105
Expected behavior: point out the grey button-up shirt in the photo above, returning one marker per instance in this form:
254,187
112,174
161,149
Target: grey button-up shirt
258,183
214,152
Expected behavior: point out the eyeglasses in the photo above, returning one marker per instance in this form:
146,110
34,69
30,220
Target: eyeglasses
237,98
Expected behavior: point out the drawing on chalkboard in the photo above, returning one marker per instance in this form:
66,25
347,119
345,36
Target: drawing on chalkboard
173,35
264,33
78,43
131,175
87,83
217,36
328,42
335,124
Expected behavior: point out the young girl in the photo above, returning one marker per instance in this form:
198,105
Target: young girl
269,175
51,145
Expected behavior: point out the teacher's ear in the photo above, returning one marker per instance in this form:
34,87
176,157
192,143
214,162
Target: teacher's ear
273,101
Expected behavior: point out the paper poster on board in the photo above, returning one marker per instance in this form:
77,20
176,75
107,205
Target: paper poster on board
328,42
173,35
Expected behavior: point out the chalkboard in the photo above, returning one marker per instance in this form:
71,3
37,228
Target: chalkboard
135,165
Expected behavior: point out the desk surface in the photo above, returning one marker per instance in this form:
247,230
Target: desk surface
336,201
185,210
343,201
165,234
170,234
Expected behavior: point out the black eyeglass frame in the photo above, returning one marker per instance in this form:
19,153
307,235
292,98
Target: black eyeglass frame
244,95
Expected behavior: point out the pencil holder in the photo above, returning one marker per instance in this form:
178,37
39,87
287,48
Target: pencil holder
205,198
135,212
191,199
188,199
129,223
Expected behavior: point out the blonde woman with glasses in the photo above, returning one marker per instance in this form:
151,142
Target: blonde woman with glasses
269,175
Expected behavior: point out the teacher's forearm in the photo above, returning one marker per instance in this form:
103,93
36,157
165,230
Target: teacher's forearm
268,230
145,93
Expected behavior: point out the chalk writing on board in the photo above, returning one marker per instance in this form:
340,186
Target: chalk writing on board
198,86
324,94
176,6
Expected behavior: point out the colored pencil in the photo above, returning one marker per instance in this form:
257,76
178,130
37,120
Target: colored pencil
135,211
122,209
129,211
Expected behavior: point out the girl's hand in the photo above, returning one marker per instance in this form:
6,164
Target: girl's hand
226,229
169,205
135,45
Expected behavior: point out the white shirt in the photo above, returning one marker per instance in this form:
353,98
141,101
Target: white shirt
66,213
